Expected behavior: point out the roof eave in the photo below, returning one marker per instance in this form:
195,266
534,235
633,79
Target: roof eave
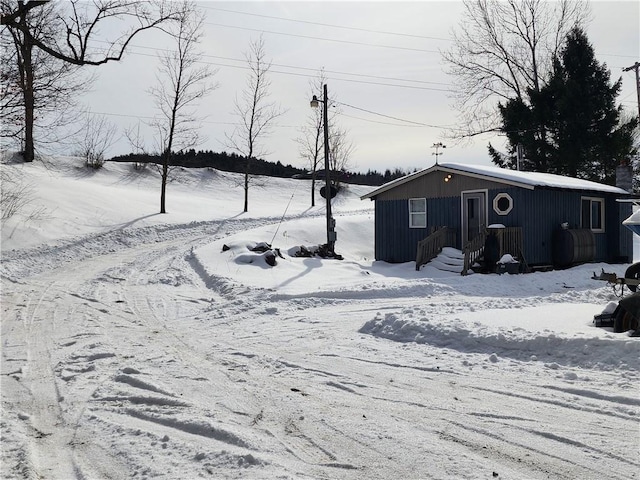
440,168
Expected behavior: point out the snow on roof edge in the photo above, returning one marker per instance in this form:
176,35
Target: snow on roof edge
531,179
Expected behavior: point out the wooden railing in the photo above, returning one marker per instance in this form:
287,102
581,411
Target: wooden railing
473,249
431,246
509,239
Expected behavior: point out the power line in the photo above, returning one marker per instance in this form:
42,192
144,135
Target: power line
342,114
344,27
315,70
413,124
390,117
364,82
350,42
146,117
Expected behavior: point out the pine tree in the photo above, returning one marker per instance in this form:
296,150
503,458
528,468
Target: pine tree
572,126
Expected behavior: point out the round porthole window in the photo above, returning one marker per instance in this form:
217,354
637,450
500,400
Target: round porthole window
502,203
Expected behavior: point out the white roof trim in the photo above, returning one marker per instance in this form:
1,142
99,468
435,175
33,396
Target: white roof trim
528,180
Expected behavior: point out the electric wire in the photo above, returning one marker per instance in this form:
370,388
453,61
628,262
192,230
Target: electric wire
315,70
344,27
310,37
388,116
305,75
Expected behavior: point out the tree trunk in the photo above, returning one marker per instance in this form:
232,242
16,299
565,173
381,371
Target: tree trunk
165,175
29,100
246,185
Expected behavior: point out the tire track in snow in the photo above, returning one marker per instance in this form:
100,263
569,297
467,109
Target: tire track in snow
42,406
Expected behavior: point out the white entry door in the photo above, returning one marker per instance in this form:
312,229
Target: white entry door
474,215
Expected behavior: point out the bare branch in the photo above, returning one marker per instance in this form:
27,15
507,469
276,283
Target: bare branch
98,135
182,82
255,112
502,49
81,23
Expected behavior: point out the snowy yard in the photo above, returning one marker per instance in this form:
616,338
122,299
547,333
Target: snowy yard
135,346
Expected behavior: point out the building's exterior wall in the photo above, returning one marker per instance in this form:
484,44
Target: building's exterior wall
538,212
621,242
433,185
395,242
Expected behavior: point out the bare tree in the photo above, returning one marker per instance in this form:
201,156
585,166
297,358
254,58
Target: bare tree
75,35
17,193
255,111
310,142
503,48
340,151
11,100
39,92
182,82
97,135
137,142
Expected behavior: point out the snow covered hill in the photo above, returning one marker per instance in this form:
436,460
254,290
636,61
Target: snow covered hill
135,346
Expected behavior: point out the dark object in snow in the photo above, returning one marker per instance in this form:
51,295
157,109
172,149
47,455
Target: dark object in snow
628,314
491,252
261,247
270,258
633,273
495,474
604,319
510,268
625,317
304,252
324,252
225,247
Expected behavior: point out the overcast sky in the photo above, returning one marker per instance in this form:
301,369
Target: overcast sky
381,58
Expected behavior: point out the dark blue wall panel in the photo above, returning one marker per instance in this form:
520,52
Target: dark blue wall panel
539,212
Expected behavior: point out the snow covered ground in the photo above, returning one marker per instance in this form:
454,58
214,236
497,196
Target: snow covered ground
135,346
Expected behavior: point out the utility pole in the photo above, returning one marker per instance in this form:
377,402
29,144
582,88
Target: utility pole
331,223
636,67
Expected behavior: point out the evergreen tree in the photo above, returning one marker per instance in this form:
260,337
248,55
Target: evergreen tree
572,126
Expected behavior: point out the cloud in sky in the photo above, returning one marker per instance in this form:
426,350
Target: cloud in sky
380,57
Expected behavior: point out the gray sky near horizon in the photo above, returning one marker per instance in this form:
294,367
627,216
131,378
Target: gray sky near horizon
383,65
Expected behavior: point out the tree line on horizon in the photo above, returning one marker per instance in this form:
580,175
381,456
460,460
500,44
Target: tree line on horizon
232,162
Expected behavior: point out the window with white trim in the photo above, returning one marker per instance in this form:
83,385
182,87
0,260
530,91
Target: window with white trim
502,203
592,215
417,213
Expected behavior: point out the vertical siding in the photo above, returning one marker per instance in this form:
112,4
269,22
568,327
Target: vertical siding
395,242
538,212
623,241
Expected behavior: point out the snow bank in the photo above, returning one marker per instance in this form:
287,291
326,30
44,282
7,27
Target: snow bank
507,333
